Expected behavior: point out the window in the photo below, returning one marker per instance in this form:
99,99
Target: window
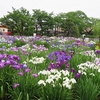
3,30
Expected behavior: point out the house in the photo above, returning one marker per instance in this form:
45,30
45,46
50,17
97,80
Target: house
3,29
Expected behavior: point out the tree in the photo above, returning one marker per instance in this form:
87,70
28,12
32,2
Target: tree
67,25
59,19
80,19
43,21
19,21
70,28
89,27
96,29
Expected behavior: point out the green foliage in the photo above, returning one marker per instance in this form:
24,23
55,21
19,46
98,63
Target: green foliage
43,21
38,43
52,85
27,88
6,77
78,59
55,93
96,29
19,21
1,91
90,36
19,43
80,19
87,90
69,27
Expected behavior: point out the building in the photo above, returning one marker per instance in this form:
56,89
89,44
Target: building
3,29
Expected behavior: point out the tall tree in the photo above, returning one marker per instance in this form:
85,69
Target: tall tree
19,21
80,19
43,21
70,28
59,19
96,29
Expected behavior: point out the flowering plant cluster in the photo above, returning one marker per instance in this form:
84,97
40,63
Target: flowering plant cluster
39,48
57,83
83,67
59,59
49,68
55,77
12,60
90,53
37,60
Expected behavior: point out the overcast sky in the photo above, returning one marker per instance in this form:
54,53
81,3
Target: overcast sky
90,7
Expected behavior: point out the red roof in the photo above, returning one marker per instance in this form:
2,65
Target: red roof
3,26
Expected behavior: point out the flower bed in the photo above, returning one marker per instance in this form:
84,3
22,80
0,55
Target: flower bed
49,68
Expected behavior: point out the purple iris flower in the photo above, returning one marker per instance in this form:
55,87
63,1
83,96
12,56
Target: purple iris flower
16,85
2,65
1,56
24,66
78,75
61,58
4,56
16,67
10,57
58,65
52,65
91,45
97,52
8,62
35,75
21,73
78,41
27,70
13,62
73,70
14,57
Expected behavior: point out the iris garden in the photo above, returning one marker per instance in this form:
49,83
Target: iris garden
49,68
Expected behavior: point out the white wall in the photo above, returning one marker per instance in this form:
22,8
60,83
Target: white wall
3,29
